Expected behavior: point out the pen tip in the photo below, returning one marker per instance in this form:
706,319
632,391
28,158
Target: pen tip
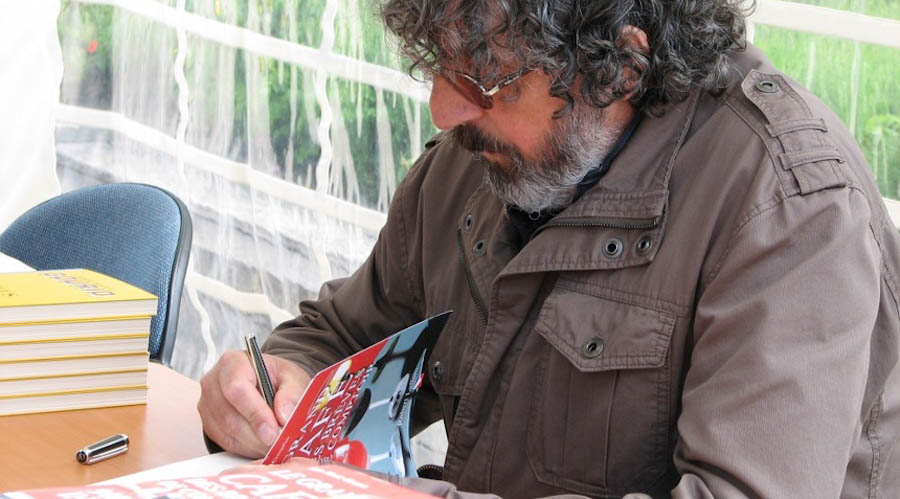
81,456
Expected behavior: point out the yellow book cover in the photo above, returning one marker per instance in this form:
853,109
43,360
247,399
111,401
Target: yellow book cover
50,296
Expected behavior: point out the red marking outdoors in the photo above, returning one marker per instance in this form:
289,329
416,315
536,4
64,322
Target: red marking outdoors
92,47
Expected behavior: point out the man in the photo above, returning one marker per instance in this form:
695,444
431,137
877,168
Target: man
671,271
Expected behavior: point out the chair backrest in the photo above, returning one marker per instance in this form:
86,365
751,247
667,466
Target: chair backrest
137,233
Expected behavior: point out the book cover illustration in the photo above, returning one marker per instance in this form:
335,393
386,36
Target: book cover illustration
327,481
358,410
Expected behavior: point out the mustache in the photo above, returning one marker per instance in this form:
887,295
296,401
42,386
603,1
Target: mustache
472,139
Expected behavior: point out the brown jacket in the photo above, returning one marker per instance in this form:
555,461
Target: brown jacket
718,317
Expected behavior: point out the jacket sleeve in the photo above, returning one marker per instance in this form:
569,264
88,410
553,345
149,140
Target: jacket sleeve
383,296
772,399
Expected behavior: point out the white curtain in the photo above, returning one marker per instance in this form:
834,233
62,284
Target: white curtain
29,89
283,125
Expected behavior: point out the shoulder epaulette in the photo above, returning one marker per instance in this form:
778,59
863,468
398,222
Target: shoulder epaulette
806,151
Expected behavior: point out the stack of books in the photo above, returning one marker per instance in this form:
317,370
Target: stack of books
72,339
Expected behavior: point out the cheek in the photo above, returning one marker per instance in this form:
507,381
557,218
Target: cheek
530,126
529,135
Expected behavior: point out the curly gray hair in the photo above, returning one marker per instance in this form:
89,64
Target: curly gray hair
566,38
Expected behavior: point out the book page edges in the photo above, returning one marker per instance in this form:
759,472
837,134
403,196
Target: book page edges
50,322
73,392
76,339
76,407
74,375
75,357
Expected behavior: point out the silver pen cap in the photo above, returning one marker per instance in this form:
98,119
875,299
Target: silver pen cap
104,449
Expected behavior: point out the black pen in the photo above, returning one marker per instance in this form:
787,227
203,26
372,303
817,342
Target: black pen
259,367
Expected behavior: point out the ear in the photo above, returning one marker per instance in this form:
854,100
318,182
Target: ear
634,38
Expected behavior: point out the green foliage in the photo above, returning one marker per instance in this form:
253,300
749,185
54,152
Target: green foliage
85,35
857,81
274,16
240,108
305,147
359,111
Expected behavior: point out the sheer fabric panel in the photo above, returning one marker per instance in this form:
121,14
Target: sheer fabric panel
284,126
32,62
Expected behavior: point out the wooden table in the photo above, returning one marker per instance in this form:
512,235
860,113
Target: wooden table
38,450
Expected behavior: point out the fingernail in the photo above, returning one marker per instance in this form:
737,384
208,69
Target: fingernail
266,434
287,409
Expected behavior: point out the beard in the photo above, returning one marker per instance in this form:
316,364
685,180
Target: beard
575,145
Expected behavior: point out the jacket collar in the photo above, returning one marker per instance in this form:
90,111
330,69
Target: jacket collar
637,183
633,195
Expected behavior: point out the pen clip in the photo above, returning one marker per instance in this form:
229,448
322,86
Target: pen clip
259,367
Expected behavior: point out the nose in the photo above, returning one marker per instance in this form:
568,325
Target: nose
449,108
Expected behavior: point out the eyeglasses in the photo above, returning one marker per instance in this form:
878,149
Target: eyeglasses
474,91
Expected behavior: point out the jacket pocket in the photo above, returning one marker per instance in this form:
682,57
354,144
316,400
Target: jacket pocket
599,423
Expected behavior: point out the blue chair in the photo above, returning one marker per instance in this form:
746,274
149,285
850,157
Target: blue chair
137,233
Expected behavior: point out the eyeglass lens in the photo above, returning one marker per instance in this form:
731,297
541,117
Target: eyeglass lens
469,90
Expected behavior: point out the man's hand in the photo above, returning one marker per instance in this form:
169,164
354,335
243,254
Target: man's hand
235,414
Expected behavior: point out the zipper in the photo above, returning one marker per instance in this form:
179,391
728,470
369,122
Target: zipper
636,225
470,279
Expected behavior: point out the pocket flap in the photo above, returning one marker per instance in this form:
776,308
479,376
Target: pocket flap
598,334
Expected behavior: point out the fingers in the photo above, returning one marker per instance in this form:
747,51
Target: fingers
233,412
290,381
240,390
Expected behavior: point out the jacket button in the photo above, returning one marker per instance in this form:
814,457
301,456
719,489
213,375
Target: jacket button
612,248
592,347
437,371
479,247
469,222
767,86
644,244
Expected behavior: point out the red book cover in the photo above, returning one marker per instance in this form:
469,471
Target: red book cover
357,411
328,481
